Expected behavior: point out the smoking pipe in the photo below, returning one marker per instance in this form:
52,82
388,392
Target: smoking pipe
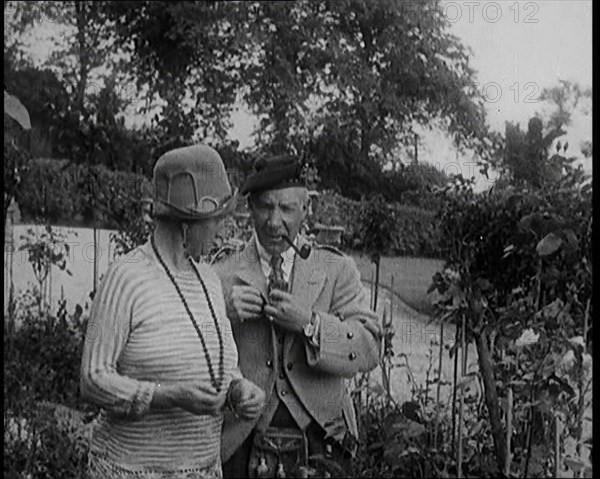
304,252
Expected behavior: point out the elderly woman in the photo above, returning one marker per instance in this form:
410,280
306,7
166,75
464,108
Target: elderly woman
159,356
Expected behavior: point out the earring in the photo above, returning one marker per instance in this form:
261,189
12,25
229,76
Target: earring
184,230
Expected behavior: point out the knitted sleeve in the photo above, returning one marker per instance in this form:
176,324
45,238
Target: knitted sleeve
106,336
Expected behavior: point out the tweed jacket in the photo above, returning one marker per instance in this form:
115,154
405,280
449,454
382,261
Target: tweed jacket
328,283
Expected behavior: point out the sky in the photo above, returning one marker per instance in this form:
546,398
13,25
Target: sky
518,49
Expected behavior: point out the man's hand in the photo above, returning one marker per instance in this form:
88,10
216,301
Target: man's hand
247,302
247,399
287,312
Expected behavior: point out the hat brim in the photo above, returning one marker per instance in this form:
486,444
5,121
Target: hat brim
162,209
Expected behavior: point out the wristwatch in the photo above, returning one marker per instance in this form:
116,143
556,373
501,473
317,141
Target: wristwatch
309,329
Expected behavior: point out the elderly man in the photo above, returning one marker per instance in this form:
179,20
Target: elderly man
303,326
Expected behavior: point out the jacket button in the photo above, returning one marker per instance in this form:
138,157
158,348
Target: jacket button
352,356
269,363
289,366
284,392
350,335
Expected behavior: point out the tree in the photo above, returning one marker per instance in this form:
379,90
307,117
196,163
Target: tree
352,78
377,226
526,155
568,98
189,55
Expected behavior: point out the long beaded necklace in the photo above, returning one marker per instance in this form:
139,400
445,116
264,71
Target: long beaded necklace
219,383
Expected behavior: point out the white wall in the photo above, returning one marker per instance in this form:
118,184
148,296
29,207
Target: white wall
80,263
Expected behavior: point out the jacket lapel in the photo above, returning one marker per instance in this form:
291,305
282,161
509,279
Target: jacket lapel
307,279
307,284
249,271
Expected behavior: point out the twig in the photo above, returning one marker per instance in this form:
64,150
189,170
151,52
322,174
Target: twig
392,301
456,339
372,287
529,433
556,444
582,388
462,398
437,410
585,324
509,418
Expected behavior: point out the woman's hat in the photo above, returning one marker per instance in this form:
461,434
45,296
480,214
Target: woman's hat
191,183
274,173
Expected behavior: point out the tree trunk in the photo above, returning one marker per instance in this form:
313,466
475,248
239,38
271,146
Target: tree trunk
491,398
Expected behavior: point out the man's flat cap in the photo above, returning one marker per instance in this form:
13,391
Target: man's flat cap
274,173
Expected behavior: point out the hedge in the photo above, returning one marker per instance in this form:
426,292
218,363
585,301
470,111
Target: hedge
65,193
416,233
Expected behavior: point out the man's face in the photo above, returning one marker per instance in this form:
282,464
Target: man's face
278,212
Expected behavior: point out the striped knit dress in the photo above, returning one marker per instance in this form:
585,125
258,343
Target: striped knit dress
139,334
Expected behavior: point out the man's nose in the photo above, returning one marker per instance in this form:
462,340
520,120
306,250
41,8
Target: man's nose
274,219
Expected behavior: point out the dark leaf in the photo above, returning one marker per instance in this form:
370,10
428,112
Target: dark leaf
549,244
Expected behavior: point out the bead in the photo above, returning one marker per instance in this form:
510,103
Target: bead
269,363
350,335
215,383
352,356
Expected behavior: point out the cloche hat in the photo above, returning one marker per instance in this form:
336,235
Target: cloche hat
191,183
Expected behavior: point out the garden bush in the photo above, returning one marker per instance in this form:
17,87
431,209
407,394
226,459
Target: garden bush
415,232
42,352
61,192
46,426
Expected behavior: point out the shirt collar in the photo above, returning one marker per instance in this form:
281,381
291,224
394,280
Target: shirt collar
265,258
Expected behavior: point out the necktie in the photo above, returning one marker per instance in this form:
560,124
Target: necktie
276,279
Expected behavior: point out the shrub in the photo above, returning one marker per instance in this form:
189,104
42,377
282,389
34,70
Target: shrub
42,442
43,438
42,354
60,192
414,234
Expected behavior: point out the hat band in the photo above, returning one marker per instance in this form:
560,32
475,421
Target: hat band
207,207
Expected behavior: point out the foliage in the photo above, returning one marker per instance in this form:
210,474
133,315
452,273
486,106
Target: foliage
43,444
519,259
567,97
415,439
42,352
526,155
414,233
16,162
180,47
377,222
59,191
42,356
43,251
371,69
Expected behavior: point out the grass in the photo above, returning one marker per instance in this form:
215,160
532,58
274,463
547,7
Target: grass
412,277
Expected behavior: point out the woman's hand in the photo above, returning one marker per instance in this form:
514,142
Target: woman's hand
198,399
246,399
201,400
